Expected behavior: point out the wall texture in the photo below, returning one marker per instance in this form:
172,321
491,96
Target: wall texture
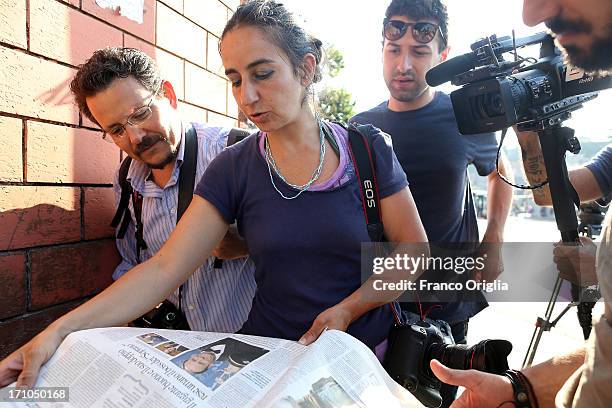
56,201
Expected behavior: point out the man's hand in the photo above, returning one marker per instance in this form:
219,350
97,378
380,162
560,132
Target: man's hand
232,246
576,262
481,389
337,317
24,364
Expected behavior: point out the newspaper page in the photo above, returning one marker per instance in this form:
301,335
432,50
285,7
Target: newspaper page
155,368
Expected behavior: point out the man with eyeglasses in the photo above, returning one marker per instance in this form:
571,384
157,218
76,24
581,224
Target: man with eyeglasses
435,156
120,89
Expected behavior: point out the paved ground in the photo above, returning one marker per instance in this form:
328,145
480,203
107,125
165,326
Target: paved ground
515,321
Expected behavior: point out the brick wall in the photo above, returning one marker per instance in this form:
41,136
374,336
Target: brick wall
56,201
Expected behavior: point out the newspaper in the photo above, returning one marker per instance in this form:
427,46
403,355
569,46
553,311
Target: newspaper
154,368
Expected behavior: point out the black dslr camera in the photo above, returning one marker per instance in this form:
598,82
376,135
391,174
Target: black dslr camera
164,316
497,94
413,344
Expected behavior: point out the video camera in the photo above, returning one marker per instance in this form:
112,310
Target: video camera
416,341
497,94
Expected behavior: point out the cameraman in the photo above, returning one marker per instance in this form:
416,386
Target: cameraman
582,378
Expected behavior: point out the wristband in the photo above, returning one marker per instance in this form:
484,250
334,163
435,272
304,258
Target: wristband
524,397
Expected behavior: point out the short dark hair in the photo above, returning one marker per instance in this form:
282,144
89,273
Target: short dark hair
283,28
422,10
108,64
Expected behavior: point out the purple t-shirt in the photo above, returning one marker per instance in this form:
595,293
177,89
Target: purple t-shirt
307,251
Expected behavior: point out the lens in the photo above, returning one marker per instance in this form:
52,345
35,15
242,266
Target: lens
490,356
424,32
394,30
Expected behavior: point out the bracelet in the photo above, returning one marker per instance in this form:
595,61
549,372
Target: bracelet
524,397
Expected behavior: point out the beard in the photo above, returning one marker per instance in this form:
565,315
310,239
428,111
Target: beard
410,94
170,157
597,56
148,142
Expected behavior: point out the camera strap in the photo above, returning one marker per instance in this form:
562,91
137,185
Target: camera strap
365,169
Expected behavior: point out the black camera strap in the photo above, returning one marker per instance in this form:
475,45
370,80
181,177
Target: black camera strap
365,165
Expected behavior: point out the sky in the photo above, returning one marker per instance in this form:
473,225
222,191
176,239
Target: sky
354,28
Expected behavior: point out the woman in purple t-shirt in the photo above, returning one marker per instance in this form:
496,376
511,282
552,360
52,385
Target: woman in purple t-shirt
294,194
295,198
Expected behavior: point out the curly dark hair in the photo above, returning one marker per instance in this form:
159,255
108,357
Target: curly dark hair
108,64
283,29
422,10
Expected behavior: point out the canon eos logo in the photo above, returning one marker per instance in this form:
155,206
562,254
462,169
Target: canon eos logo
369,193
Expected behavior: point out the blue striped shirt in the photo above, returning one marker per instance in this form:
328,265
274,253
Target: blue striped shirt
217,300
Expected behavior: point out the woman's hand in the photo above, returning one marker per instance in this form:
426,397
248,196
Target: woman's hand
24,364
338,317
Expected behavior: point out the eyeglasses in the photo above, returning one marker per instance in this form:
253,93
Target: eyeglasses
422,32
140,115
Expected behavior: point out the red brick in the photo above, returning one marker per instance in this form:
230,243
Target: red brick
60,154
144,29
215,119
11,162
98,211
32,216
205,89
171,68
61,274
13,22
175,4
210,14
180,36
41,91
17,332
12,282
72,37
213,62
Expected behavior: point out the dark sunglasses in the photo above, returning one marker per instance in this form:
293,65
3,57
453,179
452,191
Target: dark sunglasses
422,32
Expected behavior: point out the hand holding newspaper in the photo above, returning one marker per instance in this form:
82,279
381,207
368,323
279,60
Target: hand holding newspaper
134,367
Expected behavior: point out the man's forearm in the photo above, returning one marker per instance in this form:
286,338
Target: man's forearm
499,202
548,377
533,164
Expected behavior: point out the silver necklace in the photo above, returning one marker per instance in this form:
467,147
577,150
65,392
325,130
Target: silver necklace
272,165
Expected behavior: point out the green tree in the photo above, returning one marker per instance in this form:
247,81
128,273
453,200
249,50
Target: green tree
335,61
335,103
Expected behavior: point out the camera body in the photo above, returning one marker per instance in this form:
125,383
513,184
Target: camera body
163,316
497,94
415,342
409,353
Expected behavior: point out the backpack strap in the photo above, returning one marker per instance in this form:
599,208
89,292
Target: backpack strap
365,168
123,211
140,242
236,135
187,172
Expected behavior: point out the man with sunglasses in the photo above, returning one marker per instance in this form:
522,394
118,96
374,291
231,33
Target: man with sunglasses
120,89
581,378
433,153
